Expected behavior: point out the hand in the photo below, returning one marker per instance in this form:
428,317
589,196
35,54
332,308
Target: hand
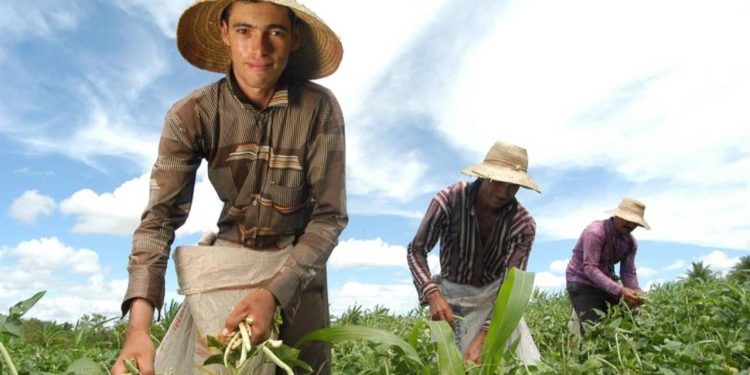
259,305
474,352
631,297
138,344
439,308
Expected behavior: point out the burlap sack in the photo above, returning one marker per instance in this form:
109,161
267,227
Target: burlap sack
474,305
213,280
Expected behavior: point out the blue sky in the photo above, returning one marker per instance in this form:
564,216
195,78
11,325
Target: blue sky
610,98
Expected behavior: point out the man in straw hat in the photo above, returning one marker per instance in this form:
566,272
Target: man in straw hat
591,280
274,143
483,232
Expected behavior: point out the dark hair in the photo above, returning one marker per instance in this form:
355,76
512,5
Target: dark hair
228,11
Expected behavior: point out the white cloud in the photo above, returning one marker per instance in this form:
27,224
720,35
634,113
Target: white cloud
401,297
119,212
367,253
353,252
21,19
49,254
718,261
676,265
164,13
30,205
74,279
548,280
559,266
644,271
584,89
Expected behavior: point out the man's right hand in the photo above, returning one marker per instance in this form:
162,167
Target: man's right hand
138,345
631,297
439,308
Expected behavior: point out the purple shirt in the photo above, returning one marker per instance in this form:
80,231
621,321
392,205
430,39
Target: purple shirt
597,251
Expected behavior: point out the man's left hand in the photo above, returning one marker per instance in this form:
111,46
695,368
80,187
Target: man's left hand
260,305
474,352
631,297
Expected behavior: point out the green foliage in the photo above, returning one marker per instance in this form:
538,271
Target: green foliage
741,271
695,326
442,356
512,300
700,272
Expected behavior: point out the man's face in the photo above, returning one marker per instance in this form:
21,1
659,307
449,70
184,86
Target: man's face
623,226
260,38
495,194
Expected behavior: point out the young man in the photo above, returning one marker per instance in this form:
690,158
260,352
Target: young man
591,280
274,143
483,232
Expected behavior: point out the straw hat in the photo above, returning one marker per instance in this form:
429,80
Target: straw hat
199,40
632,211
507,163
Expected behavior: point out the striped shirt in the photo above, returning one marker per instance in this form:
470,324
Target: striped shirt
464,258
279,172
595,254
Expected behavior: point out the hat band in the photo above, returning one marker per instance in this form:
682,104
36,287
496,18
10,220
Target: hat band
505,163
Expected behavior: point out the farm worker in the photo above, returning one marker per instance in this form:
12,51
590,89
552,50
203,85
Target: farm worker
483,231
274,145
590,276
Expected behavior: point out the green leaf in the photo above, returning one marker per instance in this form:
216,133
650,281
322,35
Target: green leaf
22,307
413,336
512,300
216,359
344,333
84,366
290,356
213,342
10,327
450,359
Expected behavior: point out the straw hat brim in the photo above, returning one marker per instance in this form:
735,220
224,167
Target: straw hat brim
517,177
199,40
629,216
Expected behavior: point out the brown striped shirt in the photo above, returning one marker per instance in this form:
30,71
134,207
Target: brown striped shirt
464,258
279,172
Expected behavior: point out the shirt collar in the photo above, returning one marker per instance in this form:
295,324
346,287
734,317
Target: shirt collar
280,97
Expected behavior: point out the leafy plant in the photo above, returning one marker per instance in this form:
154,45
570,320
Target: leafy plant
444,358
741,271
700,272
10,325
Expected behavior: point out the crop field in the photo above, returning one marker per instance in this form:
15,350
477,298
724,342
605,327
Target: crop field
700,325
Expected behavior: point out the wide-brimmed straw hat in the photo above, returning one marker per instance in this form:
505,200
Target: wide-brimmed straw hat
507,163
631,210
199,40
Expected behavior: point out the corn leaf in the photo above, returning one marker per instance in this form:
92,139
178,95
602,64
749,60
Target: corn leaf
345,333
450,359
511,302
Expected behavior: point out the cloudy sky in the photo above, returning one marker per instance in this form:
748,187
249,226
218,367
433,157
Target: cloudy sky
639,98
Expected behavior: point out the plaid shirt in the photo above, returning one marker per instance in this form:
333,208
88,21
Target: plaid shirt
464,258
279,172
